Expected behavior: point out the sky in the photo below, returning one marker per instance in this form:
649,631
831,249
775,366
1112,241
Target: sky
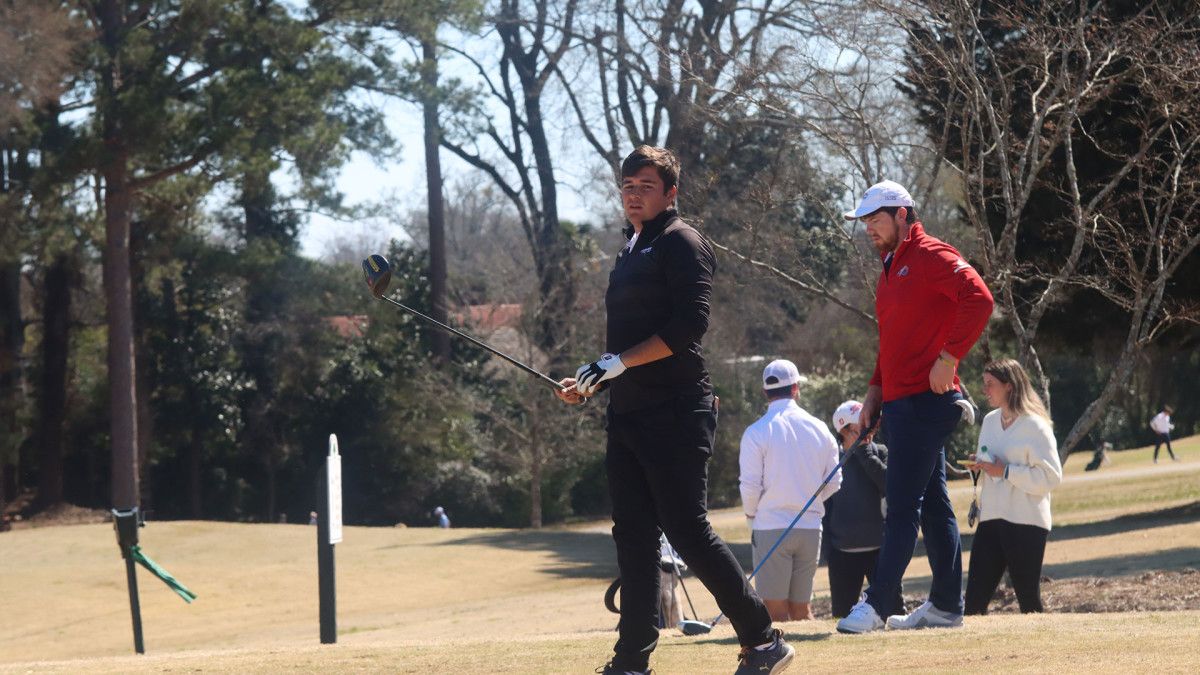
363,180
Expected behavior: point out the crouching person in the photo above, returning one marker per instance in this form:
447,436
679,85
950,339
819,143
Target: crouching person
854,515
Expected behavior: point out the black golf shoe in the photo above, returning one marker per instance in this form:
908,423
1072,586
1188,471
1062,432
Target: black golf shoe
607,669
770,661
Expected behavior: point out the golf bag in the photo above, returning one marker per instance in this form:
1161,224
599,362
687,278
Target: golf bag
670,612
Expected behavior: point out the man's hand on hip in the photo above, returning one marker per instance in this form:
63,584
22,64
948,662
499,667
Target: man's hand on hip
603,369
941,376
869,414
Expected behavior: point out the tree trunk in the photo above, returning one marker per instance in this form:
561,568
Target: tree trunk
535,466
118,290
195,467
12,344
1118,379
271,478
118,213
121,362
142,388
177,328
437,218
52,394
555,282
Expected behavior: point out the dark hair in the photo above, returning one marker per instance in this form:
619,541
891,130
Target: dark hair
911,218
661,159
779,392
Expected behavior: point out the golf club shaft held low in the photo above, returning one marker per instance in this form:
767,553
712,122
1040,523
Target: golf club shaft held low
379,274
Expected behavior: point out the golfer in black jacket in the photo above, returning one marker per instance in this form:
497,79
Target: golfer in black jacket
854,516
661,419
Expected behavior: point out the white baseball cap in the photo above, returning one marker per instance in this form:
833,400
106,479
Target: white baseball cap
846,413
781,373
879,195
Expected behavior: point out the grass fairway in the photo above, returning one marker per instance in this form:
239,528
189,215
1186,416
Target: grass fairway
501,601
1097,643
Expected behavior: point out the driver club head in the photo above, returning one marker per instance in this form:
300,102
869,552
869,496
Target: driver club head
378,272
688,627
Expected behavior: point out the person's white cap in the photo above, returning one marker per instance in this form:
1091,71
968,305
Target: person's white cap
438,511
879,195
846,413
780,373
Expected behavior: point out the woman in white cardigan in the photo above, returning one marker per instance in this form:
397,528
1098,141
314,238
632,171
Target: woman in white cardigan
1019,457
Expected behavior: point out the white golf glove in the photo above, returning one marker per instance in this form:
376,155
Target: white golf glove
968,410
589,376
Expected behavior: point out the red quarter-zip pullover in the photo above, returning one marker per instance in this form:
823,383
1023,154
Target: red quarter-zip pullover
928,299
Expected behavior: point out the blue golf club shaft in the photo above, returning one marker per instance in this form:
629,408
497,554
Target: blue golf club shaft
858,443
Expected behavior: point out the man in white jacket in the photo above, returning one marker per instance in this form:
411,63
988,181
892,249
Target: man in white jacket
785,455
1161,425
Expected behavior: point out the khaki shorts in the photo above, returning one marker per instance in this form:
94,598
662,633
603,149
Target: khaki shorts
789,572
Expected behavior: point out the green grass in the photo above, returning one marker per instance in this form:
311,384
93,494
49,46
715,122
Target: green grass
503,601
1144,492
1186,449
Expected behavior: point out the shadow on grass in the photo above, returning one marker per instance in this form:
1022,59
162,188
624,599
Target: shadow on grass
577,554
591,555
1130,522
1117,565
789,635
1112,566
1127,523
1164,559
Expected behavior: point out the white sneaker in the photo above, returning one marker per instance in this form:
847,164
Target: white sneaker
925,616
862,619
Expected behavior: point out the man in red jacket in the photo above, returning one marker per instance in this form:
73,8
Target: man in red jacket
931,306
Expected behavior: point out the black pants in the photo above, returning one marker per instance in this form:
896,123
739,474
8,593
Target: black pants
1001,545
657,465
847,571
1163,438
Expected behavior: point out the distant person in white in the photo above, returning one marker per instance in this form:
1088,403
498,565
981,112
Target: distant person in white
785,456
1019,456
443,521
1161,424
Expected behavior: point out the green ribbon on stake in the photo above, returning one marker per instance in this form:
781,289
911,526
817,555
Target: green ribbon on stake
159,572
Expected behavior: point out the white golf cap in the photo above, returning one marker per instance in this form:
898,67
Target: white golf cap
879,195
780,373
846,413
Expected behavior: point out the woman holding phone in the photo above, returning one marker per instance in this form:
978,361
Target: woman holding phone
1019,457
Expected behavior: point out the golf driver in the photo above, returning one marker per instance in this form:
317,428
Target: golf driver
693,626
700,628
379,275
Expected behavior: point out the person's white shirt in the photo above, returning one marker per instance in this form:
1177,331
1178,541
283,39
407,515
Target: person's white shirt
1162,423
785,455
1033,469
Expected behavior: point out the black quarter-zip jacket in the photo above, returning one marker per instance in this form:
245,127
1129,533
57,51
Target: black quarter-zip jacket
662,287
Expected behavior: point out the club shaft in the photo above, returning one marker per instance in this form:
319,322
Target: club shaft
858,443
684,587
546,379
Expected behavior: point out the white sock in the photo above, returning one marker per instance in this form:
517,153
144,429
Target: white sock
763,648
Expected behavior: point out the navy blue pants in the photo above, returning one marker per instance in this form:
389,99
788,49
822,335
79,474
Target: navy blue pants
917,427
1163,438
